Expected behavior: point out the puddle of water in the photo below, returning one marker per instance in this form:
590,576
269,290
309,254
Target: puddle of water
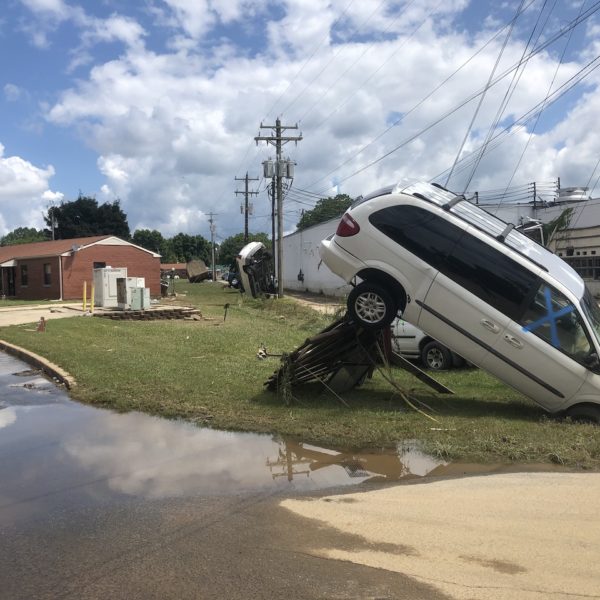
56,454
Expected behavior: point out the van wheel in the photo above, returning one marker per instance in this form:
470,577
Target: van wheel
587,413
371,306
436,357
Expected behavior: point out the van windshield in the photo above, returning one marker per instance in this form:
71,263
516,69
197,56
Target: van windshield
592,312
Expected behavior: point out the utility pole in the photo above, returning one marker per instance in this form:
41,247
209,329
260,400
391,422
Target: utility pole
212,245
246,193
282,169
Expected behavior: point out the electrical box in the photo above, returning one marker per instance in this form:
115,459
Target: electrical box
105,286
130,293
268,169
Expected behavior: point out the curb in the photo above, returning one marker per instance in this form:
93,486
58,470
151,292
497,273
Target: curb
40,362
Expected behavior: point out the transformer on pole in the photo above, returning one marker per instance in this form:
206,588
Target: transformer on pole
278,170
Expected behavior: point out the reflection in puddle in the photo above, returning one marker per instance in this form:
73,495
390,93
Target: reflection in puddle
50,445
55,453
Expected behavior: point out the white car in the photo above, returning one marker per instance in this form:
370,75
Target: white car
255,267
472,282
412,343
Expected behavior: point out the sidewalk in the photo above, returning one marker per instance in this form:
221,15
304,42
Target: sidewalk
31,313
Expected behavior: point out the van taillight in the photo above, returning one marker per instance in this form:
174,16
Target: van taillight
347,227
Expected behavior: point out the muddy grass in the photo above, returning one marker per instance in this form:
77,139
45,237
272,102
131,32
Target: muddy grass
208,372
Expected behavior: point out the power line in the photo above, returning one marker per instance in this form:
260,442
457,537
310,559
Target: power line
308,59
473,96
485,89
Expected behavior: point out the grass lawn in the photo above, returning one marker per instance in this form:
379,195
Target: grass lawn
208,372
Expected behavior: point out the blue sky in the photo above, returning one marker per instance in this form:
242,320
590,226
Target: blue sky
156,103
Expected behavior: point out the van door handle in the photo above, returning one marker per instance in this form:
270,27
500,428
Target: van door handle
490,325
513,341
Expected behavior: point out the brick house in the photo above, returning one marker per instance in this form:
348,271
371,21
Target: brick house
179,269
56,270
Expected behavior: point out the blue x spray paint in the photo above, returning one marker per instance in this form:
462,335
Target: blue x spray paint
550,319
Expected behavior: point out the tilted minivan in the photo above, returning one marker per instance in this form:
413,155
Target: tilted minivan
471,281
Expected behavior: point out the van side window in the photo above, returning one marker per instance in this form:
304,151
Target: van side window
491,275
469,261
553,318
426,235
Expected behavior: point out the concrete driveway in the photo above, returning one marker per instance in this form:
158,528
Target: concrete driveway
18,315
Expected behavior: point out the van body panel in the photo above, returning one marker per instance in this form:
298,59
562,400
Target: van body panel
450,316
545,374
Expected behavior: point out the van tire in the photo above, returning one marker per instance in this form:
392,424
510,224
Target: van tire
436,357
588,413
371,306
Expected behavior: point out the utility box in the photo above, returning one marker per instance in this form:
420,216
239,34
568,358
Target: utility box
140,298
130,293
105,286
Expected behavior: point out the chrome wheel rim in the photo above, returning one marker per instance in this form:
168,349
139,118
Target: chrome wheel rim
435,358
370,307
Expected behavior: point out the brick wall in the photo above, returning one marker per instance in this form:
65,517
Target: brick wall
35,289
80,267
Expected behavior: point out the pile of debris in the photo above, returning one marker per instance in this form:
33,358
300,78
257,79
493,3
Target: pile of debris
341,357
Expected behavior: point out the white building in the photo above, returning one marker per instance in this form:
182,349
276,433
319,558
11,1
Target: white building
302,267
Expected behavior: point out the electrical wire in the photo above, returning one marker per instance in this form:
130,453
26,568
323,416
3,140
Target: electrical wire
588,13
483,94
510,91
519,123
333,57
344,73
325,38
416,106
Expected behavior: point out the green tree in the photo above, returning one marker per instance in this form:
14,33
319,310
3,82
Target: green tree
560,223
23,235
151,239
83,217
231,247
325,209
184,247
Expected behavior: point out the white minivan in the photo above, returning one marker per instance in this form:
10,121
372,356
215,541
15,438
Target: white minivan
468,279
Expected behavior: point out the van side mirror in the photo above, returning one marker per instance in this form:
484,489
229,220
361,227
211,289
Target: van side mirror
592,362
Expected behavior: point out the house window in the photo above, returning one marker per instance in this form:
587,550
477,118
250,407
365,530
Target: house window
24,276
99,265
47,274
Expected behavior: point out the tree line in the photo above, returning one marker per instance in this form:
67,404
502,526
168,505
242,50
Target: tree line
84,217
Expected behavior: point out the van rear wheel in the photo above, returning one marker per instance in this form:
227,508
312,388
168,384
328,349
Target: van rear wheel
371,306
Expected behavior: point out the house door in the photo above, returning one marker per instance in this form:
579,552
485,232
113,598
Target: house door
10,276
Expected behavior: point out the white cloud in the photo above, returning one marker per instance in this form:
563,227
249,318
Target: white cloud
7,416
12,92
55,8
24,192
173,128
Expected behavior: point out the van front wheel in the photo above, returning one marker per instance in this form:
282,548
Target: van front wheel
587,413
371,306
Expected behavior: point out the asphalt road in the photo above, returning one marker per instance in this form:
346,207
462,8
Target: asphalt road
206,547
